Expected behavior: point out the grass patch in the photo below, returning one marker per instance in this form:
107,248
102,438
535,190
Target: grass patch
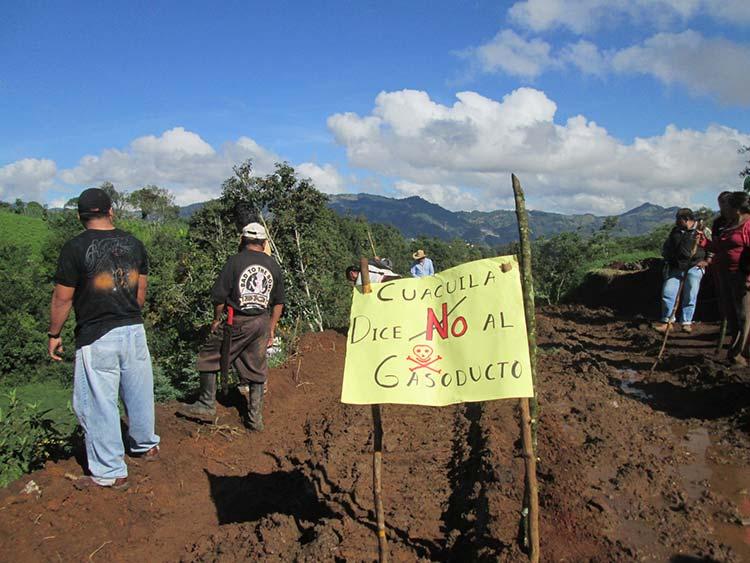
21,230
48,395
625,257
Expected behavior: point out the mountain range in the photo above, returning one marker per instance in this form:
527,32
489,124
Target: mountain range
415,216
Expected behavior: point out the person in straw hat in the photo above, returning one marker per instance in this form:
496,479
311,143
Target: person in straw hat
422,265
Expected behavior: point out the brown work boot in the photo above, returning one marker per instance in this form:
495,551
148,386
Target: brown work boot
660,327
687,328
152,454
739,360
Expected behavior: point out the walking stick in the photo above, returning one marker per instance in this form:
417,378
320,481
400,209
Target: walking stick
676,305
377,443
722,336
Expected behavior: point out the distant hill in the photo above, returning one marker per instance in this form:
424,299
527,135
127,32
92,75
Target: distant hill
414,216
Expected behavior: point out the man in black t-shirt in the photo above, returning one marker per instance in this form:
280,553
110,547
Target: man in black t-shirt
102,274
251,288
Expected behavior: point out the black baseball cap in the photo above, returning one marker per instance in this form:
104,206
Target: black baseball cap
94,200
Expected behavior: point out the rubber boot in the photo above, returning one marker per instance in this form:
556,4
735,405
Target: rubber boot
205,407
255,408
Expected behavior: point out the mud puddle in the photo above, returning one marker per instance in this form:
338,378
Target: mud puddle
704,474
629,379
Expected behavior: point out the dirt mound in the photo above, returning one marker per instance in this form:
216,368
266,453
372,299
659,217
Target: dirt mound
629,468
635,289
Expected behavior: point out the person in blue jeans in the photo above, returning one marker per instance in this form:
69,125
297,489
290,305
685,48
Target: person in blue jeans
684,255
102,274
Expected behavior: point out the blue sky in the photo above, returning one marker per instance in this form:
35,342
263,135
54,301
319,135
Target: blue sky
597,105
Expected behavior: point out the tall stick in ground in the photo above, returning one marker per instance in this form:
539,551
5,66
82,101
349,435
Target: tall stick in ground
372,244
318,315
529,407
377,443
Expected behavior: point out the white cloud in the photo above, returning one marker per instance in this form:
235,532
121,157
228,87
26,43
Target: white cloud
462,155
514,55
450,197
179,160
703,65
585,56
27,179
326,178
583,16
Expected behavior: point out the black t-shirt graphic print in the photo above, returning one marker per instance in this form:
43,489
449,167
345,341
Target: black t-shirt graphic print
103,267
250,282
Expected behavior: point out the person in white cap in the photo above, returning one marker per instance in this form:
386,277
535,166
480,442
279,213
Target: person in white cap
422,265
251,288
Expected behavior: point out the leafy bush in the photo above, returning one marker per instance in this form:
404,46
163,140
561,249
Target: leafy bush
164,391
27,438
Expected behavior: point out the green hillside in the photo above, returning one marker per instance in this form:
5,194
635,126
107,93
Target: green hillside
22,230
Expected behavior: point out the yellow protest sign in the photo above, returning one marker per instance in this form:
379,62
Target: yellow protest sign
454,337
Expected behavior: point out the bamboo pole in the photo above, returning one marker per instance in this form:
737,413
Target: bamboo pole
372,244
529,407
377,450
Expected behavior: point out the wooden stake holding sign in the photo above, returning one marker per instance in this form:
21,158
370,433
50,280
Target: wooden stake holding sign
377,442
529,407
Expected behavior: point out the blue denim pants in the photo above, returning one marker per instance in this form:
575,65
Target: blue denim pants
116,365
689,294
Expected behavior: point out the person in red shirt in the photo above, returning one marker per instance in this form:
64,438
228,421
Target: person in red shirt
731,259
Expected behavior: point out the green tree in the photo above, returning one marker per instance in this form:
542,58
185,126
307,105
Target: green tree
34,209
119,199
745,172
153,201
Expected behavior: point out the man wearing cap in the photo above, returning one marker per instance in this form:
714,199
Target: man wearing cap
422,265
102,274
251,285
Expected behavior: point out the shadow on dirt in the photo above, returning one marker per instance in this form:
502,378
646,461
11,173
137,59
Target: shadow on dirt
710,403
250,498
467,516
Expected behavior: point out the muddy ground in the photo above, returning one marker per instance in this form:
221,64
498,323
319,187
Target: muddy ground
631,468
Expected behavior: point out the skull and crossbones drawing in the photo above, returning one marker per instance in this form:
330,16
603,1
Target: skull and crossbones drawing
423,358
